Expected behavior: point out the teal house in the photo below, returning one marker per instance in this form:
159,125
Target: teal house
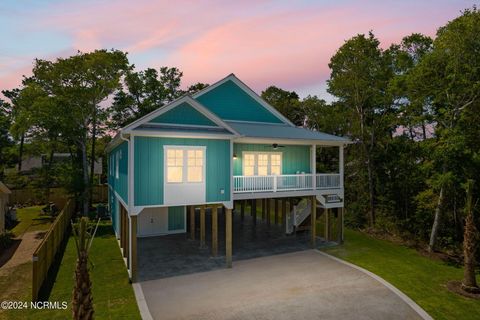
218,149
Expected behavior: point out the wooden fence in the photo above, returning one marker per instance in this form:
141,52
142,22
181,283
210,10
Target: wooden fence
44,255
55,195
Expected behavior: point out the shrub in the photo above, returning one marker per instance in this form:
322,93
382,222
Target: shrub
6,239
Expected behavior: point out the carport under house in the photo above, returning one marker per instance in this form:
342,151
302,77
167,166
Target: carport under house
222,151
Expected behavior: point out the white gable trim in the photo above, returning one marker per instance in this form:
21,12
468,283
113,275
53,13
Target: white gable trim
249,91
204,111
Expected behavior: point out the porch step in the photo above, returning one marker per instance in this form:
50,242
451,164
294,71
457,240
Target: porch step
327,200
299,213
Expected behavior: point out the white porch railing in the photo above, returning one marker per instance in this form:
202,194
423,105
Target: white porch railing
285,182
328,181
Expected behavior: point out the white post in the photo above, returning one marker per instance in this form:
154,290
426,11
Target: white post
275,183
340,165
313,166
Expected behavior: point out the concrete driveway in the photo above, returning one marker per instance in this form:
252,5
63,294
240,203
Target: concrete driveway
299,285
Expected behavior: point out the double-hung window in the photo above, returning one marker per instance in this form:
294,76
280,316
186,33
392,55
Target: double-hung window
262,163
185,164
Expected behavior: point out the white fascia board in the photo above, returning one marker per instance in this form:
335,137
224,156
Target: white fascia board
319,143
175,134
249,91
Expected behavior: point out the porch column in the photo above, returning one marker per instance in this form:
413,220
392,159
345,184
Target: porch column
228,237
327,224
192,222
284,213
202,226
263,208
254,211
275,209
122,231
127,238
313,166
340,165
313,221
215,230
242,209
133,252
341,224
269,211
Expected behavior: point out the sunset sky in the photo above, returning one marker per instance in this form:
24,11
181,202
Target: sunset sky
284,43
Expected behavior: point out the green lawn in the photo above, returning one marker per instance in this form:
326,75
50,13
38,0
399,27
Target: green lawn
31,219
112,293
422,279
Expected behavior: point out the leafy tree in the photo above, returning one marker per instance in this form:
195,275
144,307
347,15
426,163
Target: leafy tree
360,73
68,97
286,102
414,110
144,92
5,138
448,78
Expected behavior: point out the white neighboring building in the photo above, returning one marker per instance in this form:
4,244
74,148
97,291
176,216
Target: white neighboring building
34,162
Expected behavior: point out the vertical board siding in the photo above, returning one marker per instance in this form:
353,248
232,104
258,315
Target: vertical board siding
149,168
229,101
294,158
176,218
184,114
120,185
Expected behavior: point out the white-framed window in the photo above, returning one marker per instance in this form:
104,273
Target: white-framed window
262,163
184,164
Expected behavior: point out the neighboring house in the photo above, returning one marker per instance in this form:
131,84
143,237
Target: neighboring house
220,145
4,194
35,162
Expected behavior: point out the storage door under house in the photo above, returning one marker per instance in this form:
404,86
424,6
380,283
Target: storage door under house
161,221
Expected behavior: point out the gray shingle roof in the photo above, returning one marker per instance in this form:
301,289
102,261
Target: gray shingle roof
275,131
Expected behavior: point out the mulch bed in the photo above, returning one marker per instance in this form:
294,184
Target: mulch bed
456,287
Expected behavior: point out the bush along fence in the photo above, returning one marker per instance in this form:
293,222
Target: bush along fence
44,255
55,195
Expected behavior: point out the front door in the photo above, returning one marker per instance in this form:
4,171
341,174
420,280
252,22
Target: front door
184,175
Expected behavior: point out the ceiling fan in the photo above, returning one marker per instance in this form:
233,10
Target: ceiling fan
276,146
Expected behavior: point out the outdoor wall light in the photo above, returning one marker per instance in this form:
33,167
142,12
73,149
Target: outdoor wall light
234,156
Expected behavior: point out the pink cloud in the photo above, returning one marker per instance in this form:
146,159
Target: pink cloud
263,42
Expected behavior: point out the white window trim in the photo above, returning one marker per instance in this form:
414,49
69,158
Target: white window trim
256,153
117,165
185,163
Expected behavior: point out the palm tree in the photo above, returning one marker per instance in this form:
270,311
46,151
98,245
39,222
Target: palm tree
82,300
470,238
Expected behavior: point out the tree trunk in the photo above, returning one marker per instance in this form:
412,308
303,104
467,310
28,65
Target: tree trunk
371,191
82,304
470,238
86,181
436,221
92,157
424,130
20,152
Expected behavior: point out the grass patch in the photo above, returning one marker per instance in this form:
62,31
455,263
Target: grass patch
31,219
113,295
423,279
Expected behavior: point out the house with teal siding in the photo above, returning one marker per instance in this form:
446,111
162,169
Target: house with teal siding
219,149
